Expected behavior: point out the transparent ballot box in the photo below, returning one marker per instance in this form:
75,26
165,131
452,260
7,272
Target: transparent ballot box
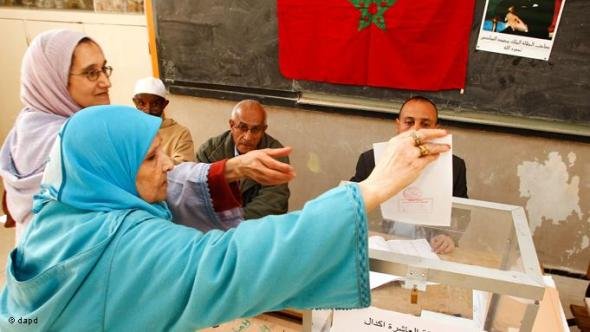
490,281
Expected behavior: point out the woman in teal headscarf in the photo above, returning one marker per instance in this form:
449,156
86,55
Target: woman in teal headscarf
102,254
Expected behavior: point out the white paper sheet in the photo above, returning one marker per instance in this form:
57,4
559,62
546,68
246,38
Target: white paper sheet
377,279
418,247
427,201
375,319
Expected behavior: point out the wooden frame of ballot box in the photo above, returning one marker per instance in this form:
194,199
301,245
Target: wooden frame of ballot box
495,255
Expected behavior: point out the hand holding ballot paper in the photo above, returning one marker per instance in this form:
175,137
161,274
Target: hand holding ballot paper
427,201
400,165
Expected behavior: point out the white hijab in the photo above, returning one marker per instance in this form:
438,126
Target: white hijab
44,92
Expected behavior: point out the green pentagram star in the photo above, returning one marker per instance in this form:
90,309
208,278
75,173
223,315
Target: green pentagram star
372,12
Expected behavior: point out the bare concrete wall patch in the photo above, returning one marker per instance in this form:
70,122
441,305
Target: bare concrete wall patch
552,193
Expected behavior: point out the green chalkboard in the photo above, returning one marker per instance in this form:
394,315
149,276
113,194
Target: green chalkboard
232,47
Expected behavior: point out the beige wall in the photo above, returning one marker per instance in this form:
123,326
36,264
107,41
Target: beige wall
549,177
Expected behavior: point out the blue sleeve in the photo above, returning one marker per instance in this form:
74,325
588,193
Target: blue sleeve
189,199
183,279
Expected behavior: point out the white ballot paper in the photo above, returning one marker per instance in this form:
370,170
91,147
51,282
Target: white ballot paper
418,247
427,201
377,279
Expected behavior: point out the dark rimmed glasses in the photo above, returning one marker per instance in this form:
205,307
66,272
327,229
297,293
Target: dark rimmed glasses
93,74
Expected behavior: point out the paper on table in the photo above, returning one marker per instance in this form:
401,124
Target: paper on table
427,201
377,279
418,247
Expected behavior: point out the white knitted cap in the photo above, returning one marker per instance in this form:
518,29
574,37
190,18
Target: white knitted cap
150,85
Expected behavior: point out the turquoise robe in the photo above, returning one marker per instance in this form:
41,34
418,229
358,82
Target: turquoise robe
97,257
136,272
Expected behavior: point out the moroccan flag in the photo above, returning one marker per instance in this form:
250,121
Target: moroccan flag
403,44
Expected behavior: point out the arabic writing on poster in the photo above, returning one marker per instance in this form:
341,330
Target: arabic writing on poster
516,45
393,327
378,320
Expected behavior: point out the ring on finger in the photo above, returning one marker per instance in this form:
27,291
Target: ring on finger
417,139
423,150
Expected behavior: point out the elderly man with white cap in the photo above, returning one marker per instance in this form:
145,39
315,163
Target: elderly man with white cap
150,97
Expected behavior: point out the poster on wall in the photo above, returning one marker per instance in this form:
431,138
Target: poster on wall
525,28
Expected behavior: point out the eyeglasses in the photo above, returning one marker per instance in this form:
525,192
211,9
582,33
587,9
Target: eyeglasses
244,128
93,74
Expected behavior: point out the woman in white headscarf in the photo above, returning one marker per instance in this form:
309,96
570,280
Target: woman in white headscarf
64,71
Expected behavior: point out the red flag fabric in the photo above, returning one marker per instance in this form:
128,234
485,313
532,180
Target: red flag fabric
403,44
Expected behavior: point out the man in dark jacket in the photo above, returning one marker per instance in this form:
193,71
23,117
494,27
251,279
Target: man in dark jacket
416,112
247,132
